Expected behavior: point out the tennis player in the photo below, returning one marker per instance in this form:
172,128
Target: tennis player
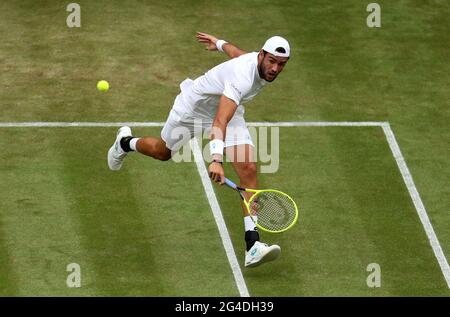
215,101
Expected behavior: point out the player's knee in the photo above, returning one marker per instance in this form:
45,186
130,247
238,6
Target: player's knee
161,152
249,171
164,155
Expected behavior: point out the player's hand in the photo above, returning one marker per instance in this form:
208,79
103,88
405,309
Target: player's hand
216,172
207,39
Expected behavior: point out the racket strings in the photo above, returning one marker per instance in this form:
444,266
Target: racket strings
275,210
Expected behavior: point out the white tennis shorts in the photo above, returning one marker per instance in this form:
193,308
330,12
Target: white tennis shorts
183,124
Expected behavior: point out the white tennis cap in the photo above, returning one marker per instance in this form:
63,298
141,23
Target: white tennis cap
277,46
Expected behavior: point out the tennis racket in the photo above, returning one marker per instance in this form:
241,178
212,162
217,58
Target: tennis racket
276,211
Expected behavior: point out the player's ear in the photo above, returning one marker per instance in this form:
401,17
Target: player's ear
261,55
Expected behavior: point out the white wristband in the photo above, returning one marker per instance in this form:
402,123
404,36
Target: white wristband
219,44
216,146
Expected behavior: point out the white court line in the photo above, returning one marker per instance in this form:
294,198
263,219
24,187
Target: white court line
77,124
218,217
160,124
414,194
407,178
316,124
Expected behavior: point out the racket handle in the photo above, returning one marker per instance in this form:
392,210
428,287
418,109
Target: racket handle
230,183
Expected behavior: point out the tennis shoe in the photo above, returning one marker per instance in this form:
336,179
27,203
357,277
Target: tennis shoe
261,253
116,154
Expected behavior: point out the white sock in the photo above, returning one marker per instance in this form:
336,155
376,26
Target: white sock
133,143
249,224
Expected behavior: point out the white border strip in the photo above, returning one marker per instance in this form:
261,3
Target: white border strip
77,124
407,178
160,124
226,240
316,124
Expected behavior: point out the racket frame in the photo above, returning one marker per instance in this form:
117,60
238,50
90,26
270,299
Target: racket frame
255,192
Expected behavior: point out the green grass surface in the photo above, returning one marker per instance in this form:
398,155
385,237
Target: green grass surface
132,232
148,230
354,210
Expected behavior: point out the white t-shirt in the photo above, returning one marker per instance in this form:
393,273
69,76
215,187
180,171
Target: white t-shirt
237,79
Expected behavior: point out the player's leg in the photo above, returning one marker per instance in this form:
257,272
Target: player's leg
245,168
125,143
176,132
241,159
150,146
256,251
240,150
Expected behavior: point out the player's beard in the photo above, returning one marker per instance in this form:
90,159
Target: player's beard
263,73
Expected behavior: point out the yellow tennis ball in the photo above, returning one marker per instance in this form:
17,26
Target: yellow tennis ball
103,85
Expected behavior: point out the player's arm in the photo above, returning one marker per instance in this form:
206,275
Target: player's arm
212,45
225,112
